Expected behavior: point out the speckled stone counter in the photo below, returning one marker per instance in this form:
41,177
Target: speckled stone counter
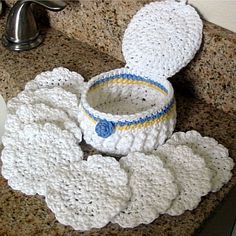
22,215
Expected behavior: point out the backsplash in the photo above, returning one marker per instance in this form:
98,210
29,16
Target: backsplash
101,24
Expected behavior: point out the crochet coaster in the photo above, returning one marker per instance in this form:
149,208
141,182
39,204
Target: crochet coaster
88,194
55,97
58,77
39,149
153,189
192,176
215,155
37,113
162,38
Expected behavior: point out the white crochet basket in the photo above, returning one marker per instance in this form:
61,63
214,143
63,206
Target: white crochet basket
123,112
133,108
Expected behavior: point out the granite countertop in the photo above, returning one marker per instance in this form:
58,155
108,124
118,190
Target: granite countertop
28,215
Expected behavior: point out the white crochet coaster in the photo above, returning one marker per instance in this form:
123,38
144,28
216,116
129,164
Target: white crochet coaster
216,155
153,189
55,97
39,113
34,156
191,174
88,194
162,38
58,77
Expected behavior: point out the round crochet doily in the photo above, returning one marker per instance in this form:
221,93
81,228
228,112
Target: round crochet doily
55,97
37,113
192,176
216,155
88,194
29,161
153,189
162,38
58,77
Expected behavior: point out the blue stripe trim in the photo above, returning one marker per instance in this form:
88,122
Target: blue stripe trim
140,120
130,77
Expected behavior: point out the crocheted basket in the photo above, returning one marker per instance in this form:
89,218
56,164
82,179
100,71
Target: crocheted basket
123,112
133,108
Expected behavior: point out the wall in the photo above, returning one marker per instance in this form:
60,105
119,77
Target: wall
219,12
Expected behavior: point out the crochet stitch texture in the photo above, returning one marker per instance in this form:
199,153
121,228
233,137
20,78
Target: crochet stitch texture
117,110
162,38
121,112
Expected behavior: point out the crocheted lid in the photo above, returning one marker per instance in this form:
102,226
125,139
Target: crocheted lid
162,38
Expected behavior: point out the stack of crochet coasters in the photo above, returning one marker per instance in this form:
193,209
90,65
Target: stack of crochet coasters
89,194
191,174
153,189
41,131
140,187
173,178
215,155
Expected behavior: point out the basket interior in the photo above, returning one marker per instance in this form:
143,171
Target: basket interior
126,96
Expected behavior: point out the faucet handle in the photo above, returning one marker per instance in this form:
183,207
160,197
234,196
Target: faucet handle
22,32
51,5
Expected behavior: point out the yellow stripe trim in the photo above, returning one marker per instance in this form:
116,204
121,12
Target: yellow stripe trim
148,123
127,82
141,125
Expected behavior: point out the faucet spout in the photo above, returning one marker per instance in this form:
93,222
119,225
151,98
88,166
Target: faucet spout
22,32
49,4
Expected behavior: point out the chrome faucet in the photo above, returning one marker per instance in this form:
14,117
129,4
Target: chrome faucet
22,32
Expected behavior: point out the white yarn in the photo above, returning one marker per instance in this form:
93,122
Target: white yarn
153,190
88,97
88,194
128,99
125,102
58,77
123,142
43,101
37,113
215,155
55,97
40,132
191,174
162,38
41,153
35,154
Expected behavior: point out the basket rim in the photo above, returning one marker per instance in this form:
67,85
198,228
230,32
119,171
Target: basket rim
88,109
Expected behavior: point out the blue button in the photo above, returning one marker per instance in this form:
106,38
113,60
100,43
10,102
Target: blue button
105,128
